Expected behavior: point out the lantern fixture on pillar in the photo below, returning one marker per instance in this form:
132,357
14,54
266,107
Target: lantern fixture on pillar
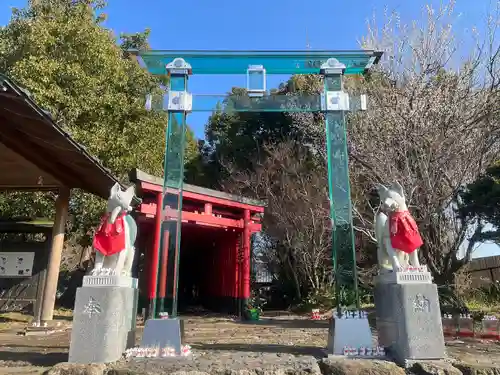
256,80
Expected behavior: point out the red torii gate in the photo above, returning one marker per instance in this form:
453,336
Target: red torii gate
209,217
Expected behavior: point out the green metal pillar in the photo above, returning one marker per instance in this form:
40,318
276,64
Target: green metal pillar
335,104
179,104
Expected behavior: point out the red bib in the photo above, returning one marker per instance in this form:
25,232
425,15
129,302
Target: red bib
110,238
404,232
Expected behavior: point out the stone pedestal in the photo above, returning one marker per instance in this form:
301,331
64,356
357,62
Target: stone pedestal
161,333
103,319
353,333
409,316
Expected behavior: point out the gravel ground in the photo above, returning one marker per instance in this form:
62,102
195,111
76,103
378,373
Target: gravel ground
216,339
218,362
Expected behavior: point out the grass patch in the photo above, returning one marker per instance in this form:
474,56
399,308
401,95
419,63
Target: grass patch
15,317
63,312
10,319
487,308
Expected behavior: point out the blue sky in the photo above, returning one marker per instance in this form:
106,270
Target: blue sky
259,24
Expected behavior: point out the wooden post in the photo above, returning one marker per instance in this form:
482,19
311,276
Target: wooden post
208,209
50,289
154,257
245,265
162,283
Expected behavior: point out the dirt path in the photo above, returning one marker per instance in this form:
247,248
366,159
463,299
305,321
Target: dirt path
284,334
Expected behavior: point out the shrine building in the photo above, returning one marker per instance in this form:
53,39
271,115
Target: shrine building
215,254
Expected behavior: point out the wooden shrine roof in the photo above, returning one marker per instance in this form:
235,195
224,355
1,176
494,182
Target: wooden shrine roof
137,175
36,154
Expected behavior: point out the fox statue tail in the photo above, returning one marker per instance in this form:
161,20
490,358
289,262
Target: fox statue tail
380,221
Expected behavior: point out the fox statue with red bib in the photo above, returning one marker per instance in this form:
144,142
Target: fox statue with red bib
115,238
398,238
408,315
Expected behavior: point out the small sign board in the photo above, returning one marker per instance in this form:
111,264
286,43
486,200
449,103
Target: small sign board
14,264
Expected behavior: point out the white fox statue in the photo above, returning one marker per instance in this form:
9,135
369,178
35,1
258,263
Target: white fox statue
115,238
398,238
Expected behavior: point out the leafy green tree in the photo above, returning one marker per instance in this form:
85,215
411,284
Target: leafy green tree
235,135
75,69
135,41
232,136
482,201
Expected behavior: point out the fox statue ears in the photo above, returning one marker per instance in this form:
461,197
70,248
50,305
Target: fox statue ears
381,189
114,190
124,196
396,186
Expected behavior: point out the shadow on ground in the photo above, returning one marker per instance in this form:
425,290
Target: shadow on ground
14,318
289,323
67,318
4,319
30,348
30,358
263,348
281,320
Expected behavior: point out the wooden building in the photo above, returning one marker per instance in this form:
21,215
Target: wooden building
484,271
38,155
214,269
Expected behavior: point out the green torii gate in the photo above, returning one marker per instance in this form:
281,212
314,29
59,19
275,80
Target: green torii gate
333,102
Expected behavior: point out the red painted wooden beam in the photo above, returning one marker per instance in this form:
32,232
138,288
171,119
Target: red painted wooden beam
155,251
150,209
146,186
190,206
255,227
149,219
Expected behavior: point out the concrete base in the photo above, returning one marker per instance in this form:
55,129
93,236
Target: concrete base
163,333
409,321
103,323
353,333
112,280
423,277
